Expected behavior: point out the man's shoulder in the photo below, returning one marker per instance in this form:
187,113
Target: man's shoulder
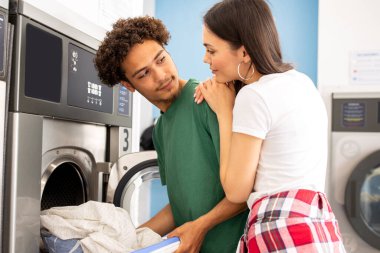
192,82
189,87
157,127
202,107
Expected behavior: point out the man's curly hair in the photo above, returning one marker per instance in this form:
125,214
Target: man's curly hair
118,42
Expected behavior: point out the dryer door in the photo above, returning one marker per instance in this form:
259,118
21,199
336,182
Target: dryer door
134,184
362,199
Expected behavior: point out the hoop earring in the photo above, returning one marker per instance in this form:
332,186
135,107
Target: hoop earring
238,70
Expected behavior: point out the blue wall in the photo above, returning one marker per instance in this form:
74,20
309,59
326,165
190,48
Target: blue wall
297,24
296,20
183,19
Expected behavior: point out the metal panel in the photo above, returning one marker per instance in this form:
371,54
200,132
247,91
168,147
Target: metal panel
21,103
357,114
2,168
120,142
60,133
23,183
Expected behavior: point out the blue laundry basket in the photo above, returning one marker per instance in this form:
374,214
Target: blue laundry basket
55,245
166,246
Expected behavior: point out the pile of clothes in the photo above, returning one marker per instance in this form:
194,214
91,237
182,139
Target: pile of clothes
93,227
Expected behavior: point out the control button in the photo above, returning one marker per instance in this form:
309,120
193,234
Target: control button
350,149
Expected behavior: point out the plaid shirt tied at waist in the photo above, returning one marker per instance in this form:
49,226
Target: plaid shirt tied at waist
292,221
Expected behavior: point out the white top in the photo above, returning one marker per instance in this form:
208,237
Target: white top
287,112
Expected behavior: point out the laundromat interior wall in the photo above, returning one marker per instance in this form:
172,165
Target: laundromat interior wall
327,32
345,27
317,36
297,22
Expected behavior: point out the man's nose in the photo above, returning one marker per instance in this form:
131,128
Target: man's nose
159,75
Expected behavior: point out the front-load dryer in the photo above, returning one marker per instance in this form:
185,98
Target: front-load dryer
354,173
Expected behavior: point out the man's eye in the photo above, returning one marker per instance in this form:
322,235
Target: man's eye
143,74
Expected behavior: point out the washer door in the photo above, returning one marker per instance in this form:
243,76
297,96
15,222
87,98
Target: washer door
362,199
134,184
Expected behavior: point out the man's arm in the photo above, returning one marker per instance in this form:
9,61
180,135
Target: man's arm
162,223
192,233
223,211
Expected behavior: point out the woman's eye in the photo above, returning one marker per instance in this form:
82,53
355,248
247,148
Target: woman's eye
210,51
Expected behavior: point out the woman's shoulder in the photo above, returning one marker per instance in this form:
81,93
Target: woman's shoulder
290,77
271,84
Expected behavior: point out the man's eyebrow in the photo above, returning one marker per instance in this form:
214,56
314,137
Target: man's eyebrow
155,58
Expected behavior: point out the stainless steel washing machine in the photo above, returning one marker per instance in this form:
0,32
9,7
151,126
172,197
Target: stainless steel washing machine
6,33
64,125
354,173
53,163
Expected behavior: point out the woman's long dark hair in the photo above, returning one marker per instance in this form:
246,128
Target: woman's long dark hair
249,23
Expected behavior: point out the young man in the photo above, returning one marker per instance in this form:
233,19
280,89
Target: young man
186,138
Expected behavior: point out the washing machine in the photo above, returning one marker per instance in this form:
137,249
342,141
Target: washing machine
65,128
354,172
133,183
5,63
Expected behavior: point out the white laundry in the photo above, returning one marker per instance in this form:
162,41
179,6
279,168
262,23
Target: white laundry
100,227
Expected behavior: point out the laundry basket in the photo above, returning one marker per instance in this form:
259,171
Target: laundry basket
53,244
166,246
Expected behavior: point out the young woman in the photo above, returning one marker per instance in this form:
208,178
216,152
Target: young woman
273,135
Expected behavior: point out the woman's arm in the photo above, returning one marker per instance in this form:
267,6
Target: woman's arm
241,166
239,153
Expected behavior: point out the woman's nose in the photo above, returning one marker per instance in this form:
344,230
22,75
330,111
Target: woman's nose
206,59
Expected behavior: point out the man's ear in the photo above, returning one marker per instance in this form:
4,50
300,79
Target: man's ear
128,86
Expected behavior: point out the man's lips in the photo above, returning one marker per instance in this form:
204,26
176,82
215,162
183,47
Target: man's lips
167,85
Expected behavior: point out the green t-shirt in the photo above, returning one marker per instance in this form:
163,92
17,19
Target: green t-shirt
186,138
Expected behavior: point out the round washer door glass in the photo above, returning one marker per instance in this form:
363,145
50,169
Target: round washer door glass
362,199
370,199
141,193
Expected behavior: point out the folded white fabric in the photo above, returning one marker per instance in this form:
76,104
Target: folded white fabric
101,227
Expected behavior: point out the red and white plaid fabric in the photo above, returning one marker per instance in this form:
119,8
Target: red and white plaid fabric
292,221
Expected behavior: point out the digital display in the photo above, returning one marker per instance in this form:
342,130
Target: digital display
124,102
43,65
85,90
353,114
